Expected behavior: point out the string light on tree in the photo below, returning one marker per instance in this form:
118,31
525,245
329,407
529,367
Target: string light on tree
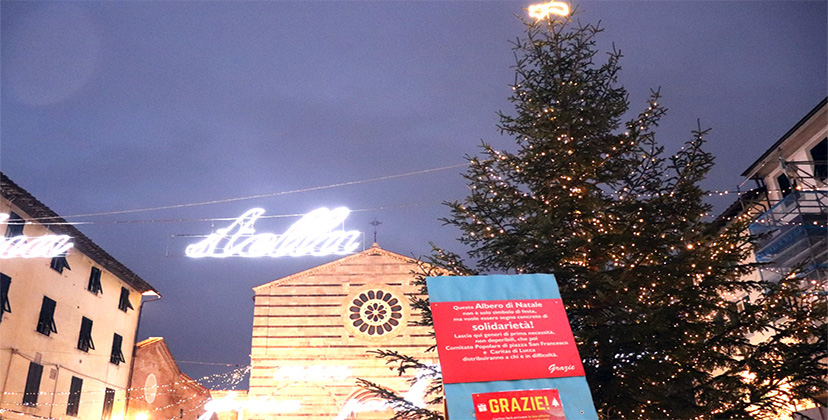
589,195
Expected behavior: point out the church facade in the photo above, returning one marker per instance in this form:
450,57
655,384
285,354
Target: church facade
312,332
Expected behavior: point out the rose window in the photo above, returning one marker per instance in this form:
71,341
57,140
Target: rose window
375,313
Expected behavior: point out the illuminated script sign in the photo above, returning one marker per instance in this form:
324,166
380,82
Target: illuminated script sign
46,246
316,233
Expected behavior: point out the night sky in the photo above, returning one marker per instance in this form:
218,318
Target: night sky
110,107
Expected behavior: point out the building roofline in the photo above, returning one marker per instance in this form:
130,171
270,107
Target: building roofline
374,250
181,378
749,171
37,210
148,341
165,351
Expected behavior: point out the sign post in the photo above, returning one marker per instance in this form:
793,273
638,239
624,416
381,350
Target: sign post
506,349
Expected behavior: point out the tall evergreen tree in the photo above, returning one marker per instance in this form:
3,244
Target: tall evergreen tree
649,283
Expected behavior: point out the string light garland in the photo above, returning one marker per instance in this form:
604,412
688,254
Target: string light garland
266,195
619,194
231,377
227,380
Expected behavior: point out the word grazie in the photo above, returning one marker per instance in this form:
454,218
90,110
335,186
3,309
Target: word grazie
539,404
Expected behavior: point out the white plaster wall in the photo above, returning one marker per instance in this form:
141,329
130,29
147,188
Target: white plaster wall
20,342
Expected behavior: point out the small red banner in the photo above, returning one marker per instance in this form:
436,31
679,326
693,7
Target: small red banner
535,404
502,340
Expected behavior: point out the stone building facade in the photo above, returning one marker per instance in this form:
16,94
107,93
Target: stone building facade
312,332
159,389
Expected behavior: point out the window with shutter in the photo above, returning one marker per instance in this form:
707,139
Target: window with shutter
109,402
59,263
85,337
94,285
46,321
116,356
124,303
14,225
32,384
74,396
5,305
819,154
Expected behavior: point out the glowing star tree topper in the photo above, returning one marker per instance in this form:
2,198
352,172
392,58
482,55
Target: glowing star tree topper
542,11
314,234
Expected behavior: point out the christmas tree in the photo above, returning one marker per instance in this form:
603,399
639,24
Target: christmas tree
650,283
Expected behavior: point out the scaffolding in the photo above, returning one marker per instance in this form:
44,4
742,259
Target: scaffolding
793,237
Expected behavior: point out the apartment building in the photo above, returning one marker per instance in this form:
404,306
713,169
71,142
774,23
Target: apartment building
787,200
791,201
68,316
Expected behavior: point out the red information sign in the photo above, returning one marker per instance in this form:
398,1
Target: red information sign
535,404
504,340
